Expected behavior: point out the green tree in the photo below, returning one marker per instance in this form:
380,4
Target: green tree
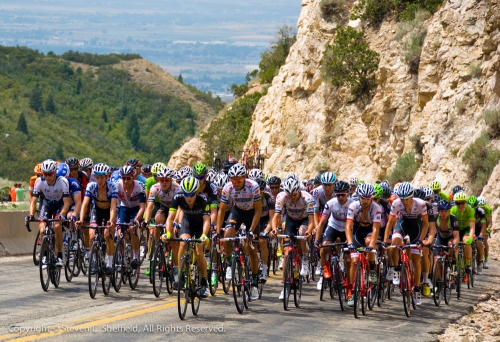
272,59
239,90
349,60
36,100
59,154
50,106
104,115
78,86
133,130
22,126
180,79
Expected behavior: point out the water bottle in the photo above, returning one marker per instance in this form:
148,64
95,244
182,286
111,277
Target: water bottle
193,275
295,270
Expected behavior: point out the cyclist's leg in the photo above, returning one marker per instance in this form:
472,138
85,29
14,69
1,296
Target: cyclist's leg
358,240
467,248
264,252
479,245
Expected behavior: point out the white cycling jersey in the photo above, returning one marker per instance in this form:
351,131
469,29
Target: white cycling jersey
337,213
355,213
302,209
319,196
52,194
164,197
243,199
418,209
137,196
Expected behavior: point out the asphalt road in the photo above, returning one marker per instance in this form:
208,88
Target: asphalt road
69,314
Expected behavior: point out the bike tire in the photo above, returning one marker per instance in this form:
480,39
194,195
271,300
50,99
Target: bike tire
364,299
226,284
372,295
82,252
195,292
405,290
238,284
143,243
357,290
339,284
332,284
382,269
472,275
106,280
458,280
158,269
213,288
70,264
118,272
45,273
151,247
56,277
297,293
447,285
247,275
323,288
133,277
287,279
36,249
94,264
437,286
183,289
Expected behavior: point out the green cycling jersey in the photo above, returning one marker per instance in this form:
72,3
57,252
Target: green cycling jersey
464,218
444,196
149,184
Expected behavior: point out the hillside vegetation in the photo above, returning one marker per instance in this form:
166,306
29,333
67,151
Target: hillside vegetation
50,110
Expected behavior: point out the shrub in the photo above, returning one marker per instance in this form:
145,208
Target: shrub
292,139
322,166
492,119
272,59
480,161
239,90
329,7
375,10
349,60
405,169
417,143
412,49
460,105
474,69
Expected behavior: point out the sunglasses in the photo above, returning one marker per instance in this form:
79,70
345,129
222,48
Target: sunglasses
164,180
189,194
200,177
73,169
237,179
274,187
341,195
48,174
366,198
126,178
459,203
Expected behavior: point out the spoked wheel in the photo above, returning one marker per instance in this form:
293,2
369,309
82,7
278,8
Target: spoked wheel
213,287
36,249
364,299
133,277
71,263
324,285
78,257
118,274
332,285
247,274
183,290
226,284
44,264
458,279
339,284
448,280
158,270
357,291
437,285
372,295
195,293
297,290
406,291
106,280
470,283
287,281
81,254
143,243
151,247
381,286
94,269
55,276
238,283
275,269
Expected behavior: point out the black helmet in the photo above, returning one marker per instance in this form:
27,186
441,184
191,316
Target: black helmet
341,187
274,180
133,162
417,193
262,183
72,161
387,191
146,168
317,180
456,188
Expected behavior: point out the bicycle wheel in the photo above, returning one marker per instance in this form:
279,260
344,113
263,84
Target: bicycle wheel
458,279
372,295
287,280
183,290
339,284
357,290
118,267
94,269
158,269
332,281
36,249
406,291
143,245
71,263
55,276
44,264
247,275
381,285
324,285
133,277
151,253
195,292
364,299
238,284
274,258
297,292
226,284
437,285
470,283
448,280
81,254
106,280
213,287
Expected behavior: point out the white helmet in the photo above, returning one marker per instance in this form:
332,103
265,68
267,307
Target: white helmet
49,166
256,173
237,170
291,185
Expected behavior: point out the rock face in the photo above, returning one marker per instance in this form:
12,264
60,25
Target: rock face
189,154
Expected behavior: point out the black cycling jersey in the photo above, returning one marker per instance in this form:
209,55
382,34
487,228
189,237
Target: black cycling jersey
195,214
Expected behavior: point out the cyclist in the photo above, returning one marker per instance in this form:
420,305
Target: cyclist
479,232
152,181
335,213
208,188
101,197
75,173
436,187
361,230
408,217
274,183
456,188
247,209
447,228
466,217
38,174
86,166
353,182
299,218
131,202
195,224
136,164
146,171
163,191
481,201
323,194
56,201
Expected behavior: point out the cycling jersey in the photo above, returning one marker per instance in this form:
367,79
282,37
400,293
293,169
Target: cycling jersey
32,182
267,204
243,199
149,184
451,225
337,213
210,192
141,179
297,211
385,205
480,219
464,218
92,191
137,195
320,199
354,213
431,212
165,198
52,194
487,212
74,190
417,211
444,196
83,180
115,176
195,214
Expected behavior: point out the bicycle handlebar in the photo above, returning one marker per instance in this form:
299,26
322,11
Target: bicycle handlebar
333,245
186,240
286,236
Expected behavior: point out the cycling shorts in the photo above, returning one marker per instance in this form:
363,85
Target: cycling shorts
126,215
191,228
359,234
331,234
48,211
98,215
237,217
412,228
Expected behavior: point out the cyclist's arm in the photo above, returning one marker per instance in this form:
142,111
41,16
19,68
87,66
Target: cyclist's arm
206,224
390,225
432,232
317,216
425,227
149,210
311,224
213,214
321,226
170,221
78,205
472,228
483,228
456,237
142,207
112,211
85,205
220,217
269,224
66,205
34,200
348,231
276,221
256,216
375,230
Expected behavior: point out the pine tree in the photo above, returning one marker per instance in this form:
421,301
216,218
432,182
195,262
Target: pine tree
50,106
36,99
22,126
78,87
180,79
104,115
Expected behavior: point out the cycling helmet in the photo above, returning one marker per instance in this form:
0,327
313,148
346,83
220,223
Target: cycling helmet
341,187
221,179
405,190
481,201
444,205
166,173
360,181
387,193
353,181
62,170
256,173
386,183
49,166
262,183
133,162
113,168
274,180
200,169
127,170
38,169
292,175
291,185
185,171
460,196
328,178
317,180
146,168
417,193
178,176
86,163
72,161
365,190
211,175
101,169
456,188
190,185
355,196
435,185
237,170
428,192
157,167
436,198
379,191
472,201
